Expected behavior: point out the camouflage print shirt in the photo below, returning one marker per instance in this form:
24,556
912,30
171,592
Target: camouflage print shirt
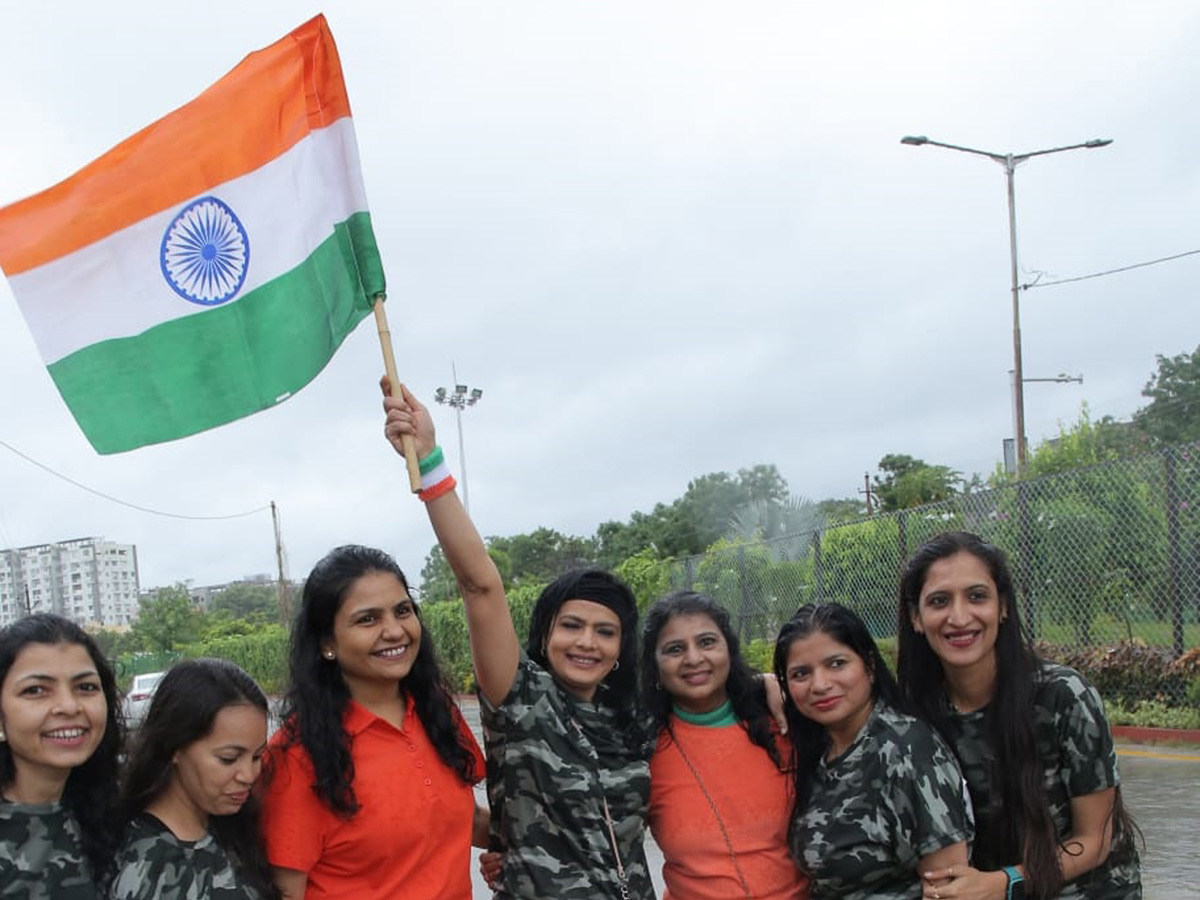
1077,751
153,864
895,795
40,854
552,762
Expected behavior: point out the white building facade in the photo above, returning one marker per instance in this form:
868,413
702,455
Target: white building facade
89,580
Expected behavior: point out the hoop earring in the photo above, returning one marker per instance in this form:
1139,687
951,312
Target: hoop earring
658,686
616,665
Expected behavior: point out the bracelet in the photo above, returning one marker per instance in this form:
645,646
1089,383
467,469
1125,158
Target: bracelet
1016,883
445,486
436,479
432,461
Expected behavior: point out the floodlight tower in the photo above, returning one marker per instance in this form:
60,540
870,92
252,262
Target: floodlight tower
461,397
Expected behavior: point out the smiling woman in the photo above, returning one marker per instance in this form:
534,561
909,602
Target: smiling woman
59,745
718,778
1031,736
879,799
567,748
369,790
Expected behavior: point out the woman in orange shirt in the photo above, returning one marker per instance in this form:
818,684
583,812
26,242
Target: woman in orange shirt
719,780
370,780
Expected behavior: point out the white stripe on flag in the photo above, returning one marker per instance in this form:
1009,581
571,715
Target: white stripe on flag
115,287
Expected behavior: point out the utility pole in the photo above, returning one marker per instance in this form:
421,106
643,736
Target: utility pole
1010,161
866,490
282,591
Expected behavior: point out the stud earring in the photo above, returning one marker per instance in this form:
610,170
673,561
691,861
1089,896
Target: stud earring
328,654
3,737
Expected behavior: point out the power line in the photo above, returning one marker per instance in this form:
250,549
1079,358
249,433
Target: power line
1141,265
145,509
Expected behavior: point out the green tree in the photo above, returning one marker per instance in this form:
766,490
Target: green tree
647,576
222,624
836,511
544,554
1085,443
248,600
771,519
168,619
1173,414
910,482
437,581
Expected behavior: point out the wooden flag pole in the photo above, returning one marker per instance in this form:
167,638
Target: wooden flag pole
389,366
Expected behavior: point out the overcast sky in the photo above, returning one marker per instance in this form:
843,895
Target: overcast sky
664,238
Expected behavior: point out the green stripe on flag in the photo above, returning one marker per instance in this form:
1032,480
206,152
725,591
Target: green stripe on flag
206,369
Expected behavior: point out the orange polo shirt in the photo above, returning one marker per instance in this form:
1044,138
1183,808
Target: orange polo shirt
411,836
754,802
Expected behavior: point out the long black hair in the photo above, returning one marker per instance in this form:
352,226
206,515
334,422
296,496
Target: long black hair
619,689
1018,824
90,792
183,711
317,695
810,741
742,686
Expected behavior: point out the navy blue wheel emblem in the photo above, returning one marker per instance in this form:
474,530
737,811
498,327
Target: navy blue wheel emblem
205,252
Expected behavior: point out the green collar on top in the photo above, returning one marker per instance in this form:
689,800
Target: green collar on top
721,716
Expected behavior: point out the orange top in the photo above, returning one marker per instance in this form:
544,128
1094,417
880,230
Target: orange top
753,800
411,836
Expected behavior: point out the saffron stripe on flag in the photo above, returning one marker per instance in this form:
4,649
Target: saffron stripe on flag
268,103
115,287
194,373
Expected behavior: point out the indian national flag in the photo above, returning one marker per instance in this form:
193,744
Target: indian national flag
210,265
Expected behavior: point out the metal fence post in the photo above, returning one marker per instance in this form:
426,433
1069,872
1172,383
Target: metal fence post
901,524
689,577
743,592
1025,558
1175,595
817,575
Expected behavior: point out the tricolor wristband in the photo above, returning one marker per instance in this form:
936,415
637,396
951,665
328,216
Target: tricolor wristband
1016,883
432,461
436,479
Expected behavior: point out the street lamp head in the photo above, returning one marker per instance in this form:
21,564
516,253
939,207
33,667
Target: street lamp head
440,395
460,389
916,140
1098,142
476,393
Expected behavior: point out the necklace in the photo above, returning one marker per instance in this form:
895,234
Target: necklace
712,804
590,754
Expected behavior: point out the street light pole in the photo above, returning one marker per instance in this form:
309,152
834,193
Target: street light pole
462,396
1010,161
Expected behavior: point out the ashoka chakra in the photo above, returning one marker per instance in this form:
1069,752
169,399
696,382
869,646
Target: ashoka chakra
205,252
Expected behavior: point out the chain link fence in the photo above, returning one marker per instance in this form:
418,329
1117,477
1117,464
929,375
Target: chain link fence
1106,561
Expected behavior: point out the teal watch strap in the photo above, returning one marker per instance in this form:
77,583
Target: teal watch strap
1016,888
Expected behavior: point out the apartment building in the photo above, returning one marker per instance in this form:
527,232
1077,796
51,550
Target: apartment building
90,580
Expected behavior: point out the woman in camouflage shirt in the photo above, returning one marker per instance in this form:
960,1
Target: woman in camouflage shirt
60,740
191,824
1031,736
879,798
567,747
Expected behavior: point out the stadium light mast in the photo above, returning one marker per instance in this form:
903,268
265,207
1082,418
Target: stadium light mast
460,398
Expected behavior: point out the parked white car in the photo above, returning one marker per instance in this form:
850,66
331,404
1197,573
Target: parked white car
137,701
